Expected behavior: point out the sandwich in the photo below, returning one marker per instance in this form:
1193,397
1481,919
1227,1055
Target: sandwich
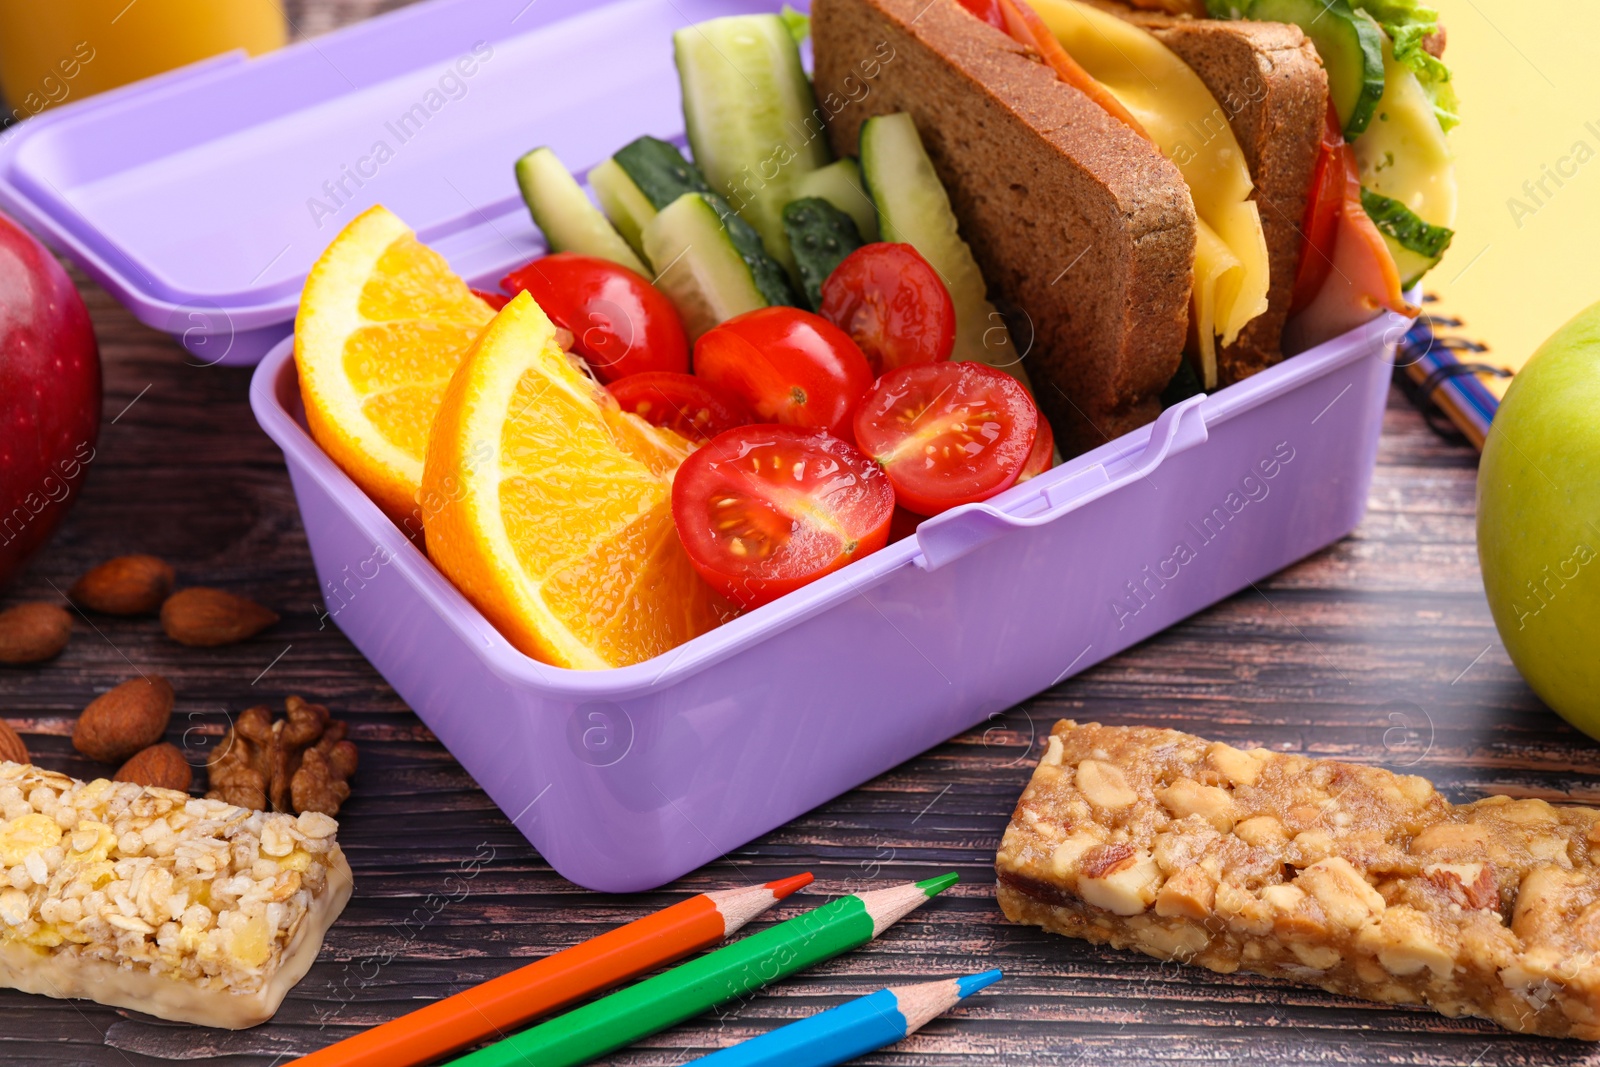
1170,197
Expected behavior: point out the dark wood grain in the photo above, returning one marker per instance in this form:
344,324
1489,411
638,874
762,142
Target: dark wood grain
1379,649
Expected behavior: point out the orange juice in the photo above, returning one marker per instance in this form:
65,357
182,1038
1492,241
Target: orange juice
52,51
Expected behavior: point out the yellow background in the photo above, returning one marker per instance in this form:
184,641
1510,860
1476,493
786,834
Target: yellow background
1528,74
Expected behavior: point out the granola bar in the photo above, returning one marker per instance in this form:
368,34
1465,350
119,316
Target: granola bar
143,898
1350,878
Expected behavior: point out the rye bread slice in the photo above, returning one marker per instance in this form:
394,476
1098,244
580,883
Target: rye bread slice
1079,224
1270,84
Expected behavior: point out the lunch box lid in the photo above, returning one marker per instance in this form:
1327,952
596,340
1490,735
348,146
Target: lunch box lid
202,197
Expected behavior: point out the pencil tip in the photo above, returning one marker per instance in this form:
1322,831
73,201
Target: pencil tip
971,983
934,886
784,886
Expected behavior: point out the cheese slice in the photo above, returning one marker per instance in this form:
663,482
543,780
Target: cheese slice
1215,266
1191,129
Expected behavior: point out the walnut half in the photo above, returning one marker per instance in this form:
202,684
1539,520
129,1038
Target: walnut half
299,763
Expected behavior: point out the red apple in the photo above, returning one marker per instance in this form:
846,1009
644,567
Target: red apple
49,395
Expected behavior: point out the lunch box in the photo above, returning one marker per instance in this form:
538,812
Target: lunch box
625,779
628,778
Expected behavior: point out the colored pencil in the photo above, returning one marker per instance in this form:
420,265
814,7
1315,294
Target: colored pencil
691,988
853,1029
511,1000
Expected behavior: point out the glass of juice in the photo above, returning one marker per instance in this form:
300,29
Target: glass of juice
52,51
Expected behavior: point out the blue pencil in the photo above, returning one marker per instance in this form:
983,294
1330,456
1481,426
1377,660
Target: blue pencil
854,1029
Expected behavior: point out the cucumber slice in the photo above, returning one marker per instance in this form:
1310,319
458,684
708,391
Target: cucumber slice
659,170
821,236
752,117
661,174
563,213
840,184
1417,246
914,208
1351,47
627,208
702,272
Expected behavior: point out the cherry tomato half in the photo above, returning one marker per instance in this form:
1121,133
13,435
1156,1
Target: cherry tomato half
788,366
893,305
947,433
762,510
1043,454
684,404
621,324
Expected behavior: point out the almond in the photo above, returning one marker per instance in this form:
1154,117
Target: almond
119,723
11,747
127,585
32,633
206,617
162,766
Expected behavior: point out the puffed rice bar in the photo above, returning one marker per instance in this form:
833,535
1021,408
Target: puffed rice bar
1349,878
191,910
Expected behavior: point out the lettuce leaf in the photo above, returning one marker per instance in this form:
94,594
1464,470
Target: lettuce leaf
798,24
1408,24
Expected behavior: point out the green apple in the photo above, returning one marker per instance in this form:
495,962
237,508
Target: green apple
1539,521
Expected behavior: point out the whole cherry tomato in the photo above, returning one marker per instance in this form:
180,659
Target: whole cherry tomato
893,305
788,366
947,433
690,407
620,323
764,509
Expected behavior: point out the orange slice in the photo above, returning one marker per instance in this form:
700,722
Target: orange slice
383,323
550,507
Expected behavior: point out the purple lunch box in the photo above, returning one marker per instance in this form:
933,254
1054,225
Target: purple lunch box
628,778
201,200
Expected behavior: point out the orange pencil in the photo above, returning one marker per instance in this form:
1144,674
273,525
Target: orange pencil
506,1003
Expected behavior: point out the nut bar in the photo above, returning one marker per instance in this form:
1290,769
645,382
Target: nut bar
1350,878
187,909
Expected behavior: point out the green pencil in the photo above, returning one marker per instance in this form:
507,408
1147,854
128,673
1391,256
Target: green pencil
691,988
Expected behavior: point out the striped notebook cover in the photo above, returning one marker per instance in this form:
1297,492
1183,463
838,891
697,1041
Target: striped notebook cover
1441,370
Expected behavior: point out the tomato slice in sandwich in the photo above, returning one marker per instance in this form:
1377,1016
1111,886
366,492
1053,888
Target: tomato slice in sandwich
988,11
1362,277
763,510
1321,221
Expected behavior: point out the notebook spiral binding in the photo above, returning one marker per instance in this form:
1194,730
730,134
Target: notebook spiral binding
1429,368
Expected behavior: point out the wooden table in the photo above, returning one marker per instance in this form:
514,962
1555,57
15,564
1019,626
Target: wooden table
1379,649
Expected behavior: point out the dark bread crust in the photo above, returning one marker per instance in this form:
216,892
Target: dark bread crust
1076,221
1268,79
